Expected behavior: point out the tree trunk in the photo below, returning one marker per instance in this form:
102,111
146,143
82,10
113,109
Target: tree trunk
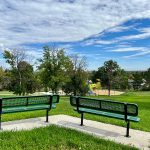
109,88
74,92
20,82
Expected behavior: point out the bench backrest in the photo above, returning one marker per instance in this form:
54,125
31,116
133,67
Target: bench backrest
28,100
105,105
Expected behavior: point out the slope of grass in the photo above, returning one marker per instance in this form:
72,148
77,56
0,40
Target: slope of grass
55,138
64,107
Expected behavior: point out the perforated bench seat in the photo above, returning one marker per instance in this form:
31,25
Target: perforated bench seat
106,108
28,103
108,114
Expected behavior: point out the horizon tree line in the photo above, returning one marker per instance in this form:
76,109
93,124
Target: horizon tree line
56,70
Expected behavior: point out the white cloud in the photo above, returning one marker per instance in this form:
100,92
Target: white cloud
121,28
129,49
134,37
138,54
145,30
138,51
34,21
144,33
1,47
97,42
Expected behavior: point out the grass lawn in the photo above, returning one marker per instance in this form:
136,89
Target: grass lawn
55,138
4,93
140,98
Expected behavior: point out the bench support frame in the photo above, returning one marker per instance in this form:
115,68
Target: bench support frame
0,112
81,119
127,121
0,122
79,102
128,127
47,115
27,103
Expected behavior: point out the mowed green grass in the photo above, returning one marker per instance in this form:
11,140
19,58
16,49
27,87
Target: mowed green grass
64,107
5,93
55,138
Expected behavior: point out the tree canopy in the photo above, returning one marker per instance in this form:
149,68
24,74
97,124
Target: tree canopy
54,68
21,74
77,85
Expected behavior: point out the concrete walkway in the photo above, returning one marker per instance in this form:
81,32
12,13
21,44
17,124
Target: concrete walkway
138,138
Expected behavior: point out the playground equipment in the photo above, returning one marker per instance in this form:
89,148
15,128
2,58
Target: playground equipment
94,86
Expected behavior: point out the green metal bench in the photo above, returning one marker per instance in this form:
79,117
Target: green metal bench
28,103
107,108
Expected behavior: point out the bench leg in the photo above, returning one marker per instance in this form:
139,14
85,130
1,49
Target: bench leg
0,122
46,115
81,119
128,127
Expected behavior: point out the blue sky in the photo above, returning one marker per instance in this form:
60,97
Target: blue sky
99,29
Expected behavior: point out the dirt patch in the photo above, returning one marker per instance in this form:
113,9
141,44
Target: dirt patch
105,92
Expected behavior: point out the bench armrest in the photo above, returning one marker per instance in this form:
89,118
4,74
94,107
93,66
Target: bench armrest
55,98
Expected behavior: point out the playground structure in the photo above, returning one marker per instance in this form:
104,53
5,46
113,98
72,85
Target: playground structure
96,89
93,87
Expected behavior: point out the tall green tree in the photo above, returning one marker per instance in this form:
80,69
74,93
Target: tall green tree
108,72
54,68
120,81
147,77
78,77
2,77
21,74
138,77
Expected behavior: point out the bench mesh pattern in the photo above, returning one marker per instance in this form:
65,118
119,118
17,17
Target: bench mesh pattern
14,102
89,103
111,106
38,100
106,105
55,98
73,100
23,101
102,105
132,109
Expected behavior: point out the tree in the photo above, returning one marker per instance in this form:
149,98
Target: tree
54,68
121,80
101,74
78,75
21,72
108,72
147,77
2,77
138,76
38,84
